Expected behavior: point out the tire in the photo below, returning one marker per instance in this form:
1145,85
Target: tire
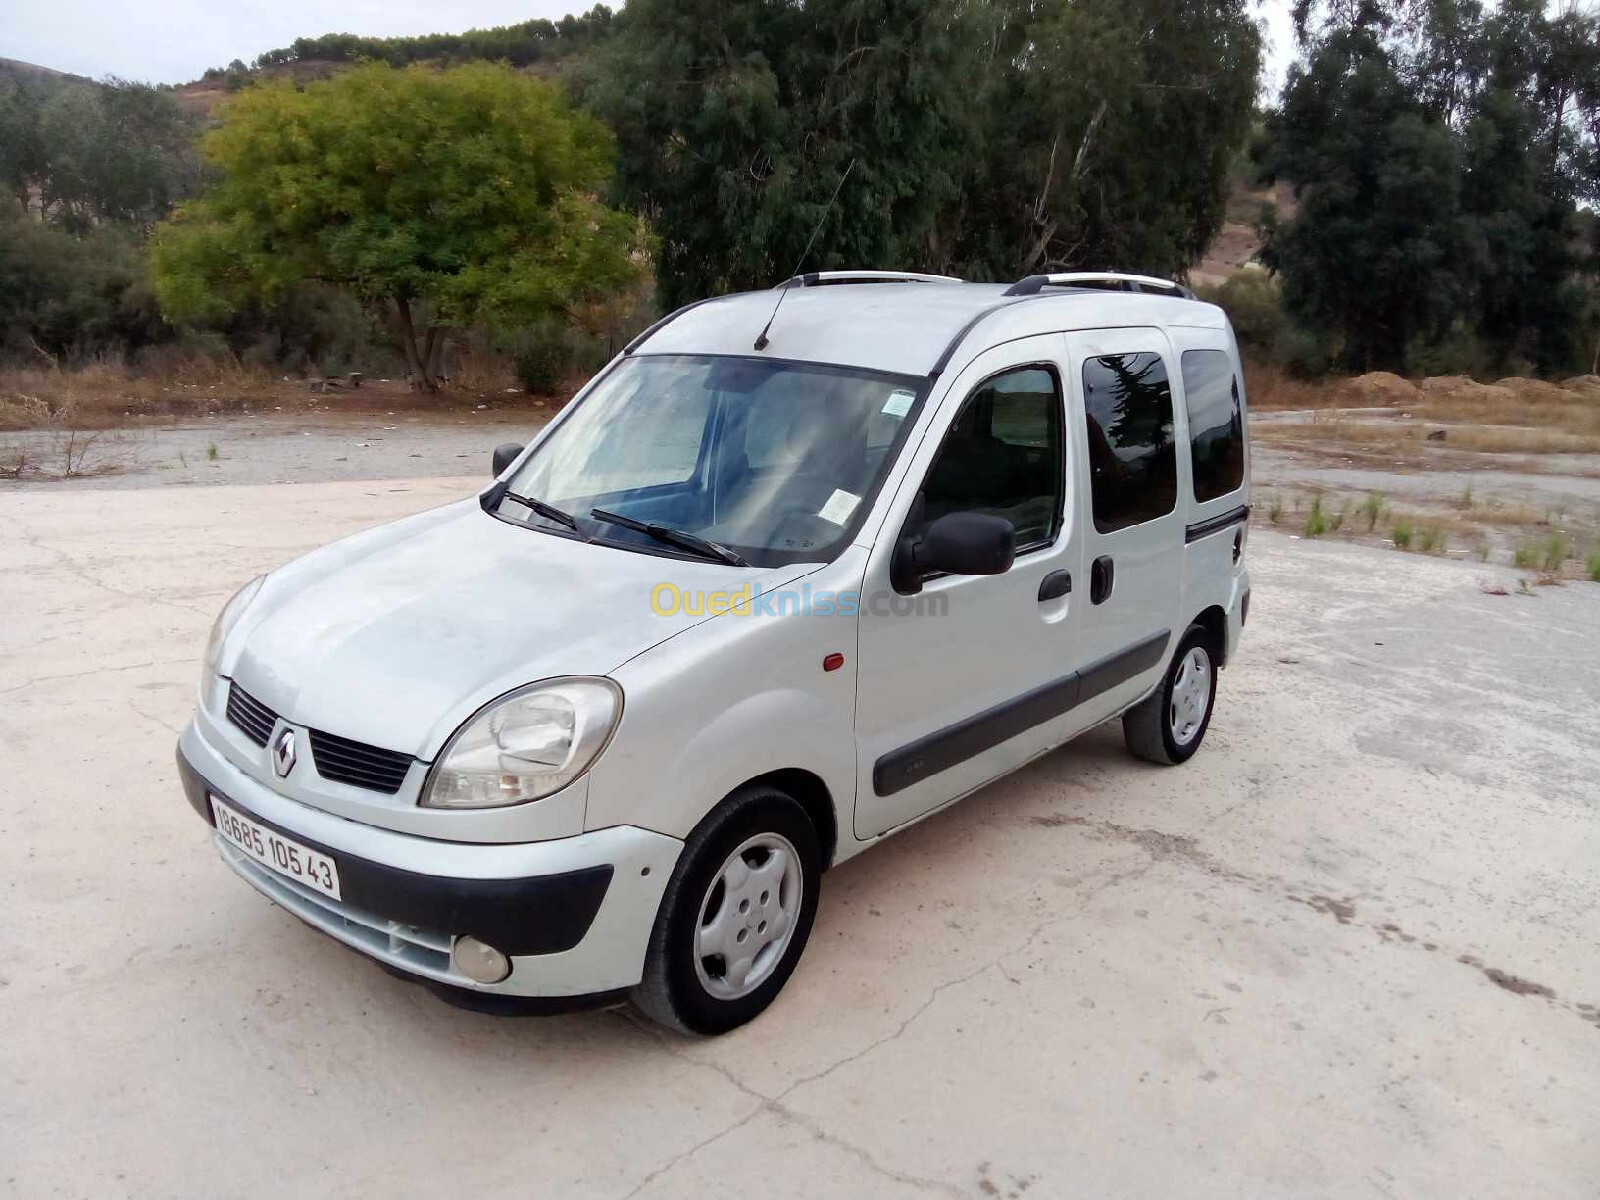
692,991
1152,728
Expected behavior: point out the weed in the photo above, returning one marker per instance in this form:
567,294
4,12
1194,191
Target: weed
1316,519
1402,531
1525,555
1592,565
1275,509
1372,509
13,461
1336,522
1555,553
1466,497
1431,540
1522,587
211,452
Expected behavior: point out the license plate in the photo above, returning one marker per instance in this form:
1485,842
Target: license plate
276,852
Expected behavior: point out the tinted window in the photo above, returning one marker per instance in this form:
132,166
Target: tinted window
1216,425
1003,456
1133,466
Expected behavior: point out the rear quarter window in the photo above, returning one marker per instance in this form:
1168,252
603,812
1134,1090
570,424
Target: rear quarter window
1216,423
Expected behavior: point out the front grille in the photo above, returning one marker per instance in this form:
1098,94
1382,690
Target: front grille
358,764
250,715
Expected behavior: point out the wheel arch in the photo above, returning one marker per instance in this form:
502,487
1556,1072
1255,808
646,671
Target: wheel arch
1215,622
812,795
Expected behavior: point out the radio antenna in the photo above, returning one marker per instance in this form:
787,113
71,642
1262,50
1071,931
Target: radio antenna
761,339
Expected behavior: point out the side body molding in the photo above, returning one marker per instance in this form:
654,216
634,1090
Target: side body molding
945,748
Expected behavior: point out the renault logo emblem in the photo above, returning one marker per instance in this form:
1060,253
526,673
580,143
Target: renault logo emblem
283,753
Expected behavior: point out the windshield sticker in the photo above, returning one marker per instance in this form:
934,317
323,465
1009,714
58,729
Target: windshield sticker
899,403
839,506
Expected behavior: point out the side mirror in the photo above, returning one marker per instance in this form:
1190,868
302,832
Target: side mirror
505,454
958,543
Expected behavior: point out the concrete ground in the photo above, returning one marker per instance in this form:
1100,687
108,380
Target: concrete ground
1349,950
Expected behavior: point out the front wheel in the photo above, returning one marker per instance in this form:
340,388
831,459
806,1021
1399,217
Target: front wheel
736,915
1168,725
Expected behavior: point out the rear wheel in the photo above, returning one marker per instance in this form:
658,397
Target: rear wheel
1168,725
736,915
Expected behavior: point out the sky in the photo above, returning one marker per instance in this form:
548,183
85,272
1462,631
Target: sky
173,41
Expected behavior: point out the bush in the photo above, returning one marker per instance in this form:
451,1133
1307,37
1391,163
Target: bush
544,355
1402,531
1459,352
1250,298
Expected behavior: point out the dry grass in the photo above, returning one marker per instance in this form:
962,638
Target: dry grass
109,396
1399,437
63,454
104,395
1273,390
1544,407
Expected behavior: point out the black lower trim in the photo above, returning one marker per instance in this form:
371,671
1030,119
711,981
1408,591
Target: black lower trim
954,744
545,914
1216,524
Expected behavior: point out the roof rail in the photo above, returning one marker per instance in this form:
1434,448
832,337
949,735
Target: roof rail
822,278
1031,285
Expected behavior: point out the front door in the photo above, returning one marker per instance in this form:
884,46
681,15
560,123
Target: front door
955,685
1133,523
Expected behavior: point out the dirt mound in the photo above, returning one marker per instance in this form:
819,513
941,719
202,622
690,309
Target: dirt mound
1460,388
1377,387
1533,389
1588,385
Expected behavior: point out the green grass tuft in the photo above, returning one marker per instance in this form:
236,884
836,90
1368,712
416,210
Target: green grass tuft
1372,509
1316,520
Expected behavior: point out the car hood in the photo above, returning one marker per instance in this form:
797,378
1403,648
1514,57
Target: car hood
395,636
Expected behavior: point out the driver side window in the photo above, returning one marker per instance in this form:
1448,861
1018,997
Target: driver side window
1003,455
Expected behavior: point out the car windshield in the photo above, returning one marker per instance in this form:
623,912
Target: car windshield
775,461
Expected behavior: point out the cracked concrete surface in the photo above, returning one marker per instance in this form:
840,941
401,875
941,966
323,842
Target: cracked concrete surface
1350,949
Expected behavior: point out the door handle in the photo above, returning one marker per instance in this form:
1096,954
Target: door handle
1102,578
1055,585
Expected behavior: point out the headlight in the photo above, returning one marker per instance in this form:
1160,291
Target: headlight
527,744
230,613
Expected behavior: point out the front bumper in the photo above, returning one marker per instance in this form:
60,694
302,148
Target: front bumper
573,914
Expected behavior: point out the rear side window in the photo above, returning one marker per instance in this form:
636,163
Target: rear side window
1133,465
1216,424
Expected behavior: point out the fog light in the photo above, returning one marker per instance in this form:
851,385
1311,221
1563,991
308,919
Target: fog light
479,961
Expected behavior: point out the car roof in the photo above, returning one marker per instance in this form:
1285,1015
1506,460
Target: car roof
905,328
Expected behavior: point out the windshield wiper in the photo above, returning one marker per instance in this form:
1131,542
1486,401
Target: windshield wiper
548,511
673,537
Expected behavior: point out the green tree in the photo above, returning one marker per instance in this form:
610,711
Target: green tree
737,119
84,153
1440,151
1107,128
988,138
463,196
1373,254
